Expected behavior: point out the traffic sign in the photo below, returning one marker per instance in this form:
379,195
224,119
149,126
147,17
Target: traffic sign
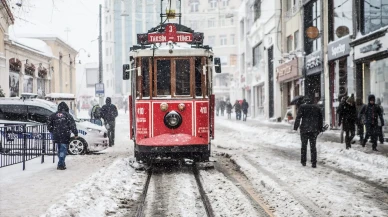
100,91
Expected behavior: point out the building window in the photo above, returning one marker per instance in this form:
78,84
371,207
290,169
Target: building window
106,36
232,38
213,3
194,24
194,6
242,30
257,9
312,18
289,43
222,21
211,22
340,18
233,59
106,51
374,15
106,20
223,40
296,39
257,55
212,40
225,3
110,35
242,64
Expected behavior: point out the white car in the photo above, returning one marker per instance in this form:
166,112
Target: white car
91,137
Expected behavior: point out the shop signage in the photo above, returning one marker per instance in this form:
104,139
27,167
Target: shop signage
371,48
287,70
314,63
339,48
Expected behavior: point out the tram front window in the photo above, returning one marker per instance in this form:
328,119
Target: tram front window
146,77
163,77
182,68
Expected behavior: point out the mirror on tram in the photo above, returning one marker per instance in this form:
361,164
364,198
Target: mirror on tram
126,72
217,64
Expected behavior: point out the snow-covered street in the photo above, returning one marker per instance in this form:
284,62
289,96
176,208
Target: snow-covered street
346,182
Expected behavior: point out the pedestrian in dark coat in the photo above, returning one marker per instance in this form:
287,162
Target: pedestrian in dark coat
229,109
372,113
222,105
237,109
109,114
380,133
312,121
61,124
360,120
348,118
244,108
218,107
339,113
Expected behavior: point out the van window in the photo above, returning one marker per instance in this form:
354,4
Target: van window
38,114
13,112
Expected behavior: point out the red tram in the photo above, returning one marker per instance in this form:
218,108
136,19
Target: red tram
171,103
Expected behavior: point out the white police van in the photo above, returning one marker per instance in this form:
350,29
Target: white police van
31,111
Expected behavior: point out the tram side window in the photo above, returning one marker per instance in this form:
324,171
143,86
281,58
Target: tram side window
146,77
163,77
198,75
182,68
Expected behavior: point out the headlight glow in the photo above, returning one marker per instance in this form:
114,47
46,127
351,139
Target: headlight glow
172,120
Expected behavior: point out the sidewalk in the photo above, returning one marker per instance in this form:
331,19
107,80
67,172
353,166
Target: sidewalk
327,136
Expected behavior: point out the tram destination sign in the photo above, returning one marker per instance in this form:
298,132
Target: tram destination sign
170,34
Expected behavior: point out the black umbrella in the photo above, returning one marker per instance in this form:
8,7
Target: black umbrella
298,100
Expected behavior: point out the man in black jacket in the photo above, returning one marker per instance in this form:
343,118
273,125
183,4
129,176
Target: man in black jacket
371,113
61,124
109,114
311,126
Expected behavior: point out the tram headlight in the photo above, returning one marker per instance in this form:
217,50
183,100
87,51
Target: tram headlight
181,107
164,107
172,120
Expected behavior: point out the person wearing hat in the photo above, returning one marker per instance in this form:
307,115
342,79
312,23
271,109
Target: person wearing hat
348,118
312,120
372,113
61,124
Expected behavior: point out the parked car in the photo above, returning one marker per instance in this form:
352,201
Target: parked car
91,137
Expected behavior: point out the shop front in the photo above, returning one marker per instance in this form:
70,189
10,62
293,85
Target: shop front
313,70
371,60
341,76
288,77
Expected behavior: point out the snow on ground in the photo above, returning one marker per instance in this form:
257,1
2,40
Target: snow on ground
225,197
346,182
271,160
173,192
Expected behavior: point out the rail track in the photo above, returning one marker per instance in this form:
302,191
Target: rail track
142,204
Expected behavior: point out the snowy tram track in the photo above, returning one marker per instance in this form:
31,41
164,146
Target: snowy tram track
242,182
173,190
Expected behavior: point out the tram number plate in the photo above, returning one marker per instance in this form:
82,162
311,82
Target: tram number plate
203,110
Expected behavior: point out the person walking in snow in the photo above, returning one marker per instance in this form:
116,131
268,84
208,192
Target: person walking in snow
61,124
109,114
218,106
372,113
222,105
244,108
348,118
237,109
311,126
339,111
380,134
360,120
229,109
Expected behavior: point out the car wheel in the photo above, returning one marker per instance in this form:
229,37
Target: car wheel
77,146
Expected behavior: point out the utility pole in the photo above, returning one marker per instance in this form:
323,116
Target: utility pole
67,30
100,77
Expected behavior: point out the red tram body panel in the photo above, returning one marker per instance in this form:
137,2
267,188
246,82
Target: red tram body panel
171,102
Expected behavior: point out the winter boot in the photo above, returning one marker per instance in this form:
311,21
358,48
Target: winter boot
314,166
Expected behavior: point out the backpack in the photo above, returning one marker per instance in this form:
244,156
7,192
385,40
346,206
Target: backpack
96,112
